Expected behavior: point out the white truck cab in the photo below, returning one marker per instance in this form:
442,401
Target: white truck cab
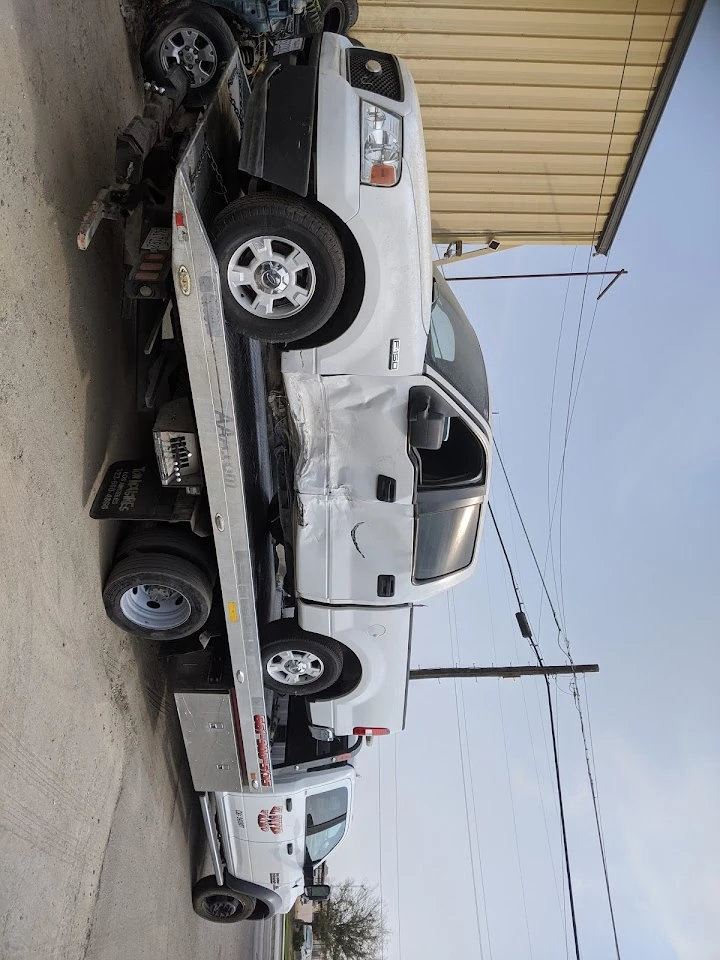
274,842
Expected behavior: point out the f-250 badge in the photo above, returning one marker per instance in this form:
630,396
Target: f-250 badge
271,820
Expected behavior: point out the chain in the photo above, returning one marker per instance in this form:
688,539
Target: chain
196,172
204,154
218,177
237,108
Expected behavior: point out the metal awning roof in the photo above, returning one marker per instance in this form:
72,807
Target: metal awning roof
538,115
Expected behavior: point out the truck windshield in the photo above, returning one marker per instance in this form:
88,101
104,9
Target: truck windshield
453,348
326,815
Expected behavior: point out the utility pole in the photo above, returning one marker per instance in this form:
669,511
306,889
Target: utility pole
442,673
615,274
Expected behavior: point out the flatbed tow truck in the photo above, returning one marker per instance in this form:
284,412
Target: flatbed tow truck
281,282
274,799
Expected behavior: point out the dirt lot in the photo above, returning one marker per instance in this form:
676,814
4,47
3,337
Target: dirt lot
99,837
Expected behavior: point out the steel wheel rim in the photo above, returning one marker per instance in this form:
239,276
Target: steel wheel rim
155,606
295,668
221,906
193,50
271,277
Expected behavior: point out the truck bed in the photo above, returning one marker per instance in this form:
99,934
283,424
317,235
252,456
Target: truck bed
227,382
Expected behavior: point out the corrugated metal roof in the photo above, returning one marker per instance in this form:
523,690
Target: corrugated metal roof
531,111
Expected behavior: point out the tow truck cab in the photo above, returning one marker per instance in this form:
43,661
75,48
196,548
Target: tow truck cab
274,842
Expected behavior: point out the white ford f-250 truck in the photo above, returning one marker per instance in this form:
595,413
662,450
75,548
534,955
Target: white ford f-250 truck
378,414
385,389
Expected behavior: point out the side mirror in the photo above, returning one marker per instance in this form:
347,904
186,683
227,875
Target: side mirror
427,427
318,892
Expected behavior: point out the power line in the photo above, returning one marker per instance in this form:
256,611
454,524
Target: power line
596,808
530,733
522,621
568,417
470,779
380,857
527,537
592,778
510,789
453,645
397,853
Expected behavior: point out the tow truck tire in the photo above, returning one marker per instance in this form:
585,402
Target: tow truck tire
172,539
158,596
221,904
208,36
331,16
339,16
278,233
285,648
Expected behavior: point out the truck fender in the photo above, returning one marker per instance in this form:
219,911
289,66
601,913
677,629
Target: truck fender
271,899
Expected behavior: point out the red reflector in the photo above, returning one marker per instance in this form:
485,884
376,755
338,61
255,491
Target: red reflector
382,175
370,731
179,219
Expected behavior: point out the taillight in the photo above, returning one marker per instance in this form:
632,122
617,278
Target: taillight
370,731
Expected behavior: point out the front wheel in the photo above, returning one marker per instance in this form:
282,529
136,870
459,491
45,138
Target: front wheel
221,904
282,267
297,662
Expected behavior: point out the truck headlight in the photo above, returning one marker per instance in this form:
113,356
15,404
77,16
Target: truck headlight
381,135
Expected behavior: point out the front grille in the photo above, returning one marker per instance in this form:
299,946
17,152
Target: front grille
385,83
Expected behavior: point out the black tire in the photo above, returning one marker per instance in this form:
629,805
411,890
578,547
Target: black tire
339,16
210,25
331,16
174,540
285,635
211,902
294,221
125,591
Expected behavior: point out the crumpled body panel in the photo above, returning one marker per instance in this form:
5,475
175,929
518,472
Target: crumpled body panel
349,431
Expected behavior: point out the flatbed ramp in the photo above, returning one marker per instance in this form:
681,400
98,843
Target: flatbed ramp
204,182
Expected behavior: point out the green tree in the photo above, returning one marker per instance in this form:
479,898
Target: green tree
351,924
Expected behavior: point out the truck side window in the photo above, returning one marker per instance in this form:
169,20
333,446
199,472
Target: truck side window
460,460
326,815
444,541
450,482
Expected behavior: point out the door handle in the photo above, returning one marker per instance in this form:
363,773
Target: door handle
386,488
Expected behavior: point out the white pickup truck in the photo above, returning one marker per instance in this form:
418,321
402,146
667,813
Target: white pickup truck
384,381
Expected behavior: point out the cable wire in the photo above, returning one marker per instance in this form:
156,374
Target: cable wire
591,772
596,809
556,758
397,852
465,793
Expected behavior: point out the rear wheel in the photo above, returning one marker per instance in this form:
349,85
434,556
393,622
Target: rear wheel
194,37
282,267
158,596
297,662
221,904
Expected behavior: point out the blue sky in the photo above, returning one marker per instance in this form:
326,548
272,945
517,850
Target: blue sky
641,529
